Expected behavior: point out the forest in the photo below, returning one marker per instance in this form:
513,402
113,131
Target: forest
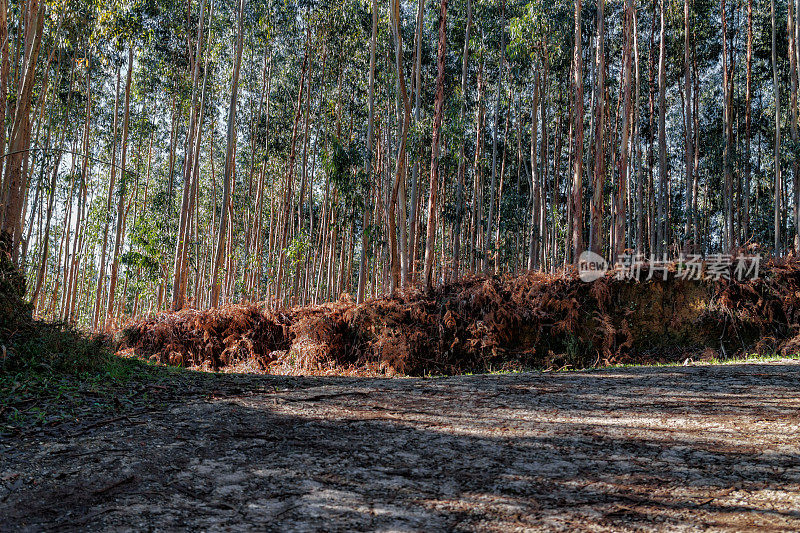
409,265
162,155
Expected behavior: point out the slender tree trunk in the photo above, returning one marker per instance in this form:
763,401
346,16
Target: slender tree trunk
462,158
368,160
437,125
727,77
619,236
180,266
790,30
397,269
15,180
477,183
289,181
101,274
45,241
413,213
598,177
636,144
230,163
778,184
5,66
487,243
112,282
661,241
747,121
536,183
687,117
577,174
541,208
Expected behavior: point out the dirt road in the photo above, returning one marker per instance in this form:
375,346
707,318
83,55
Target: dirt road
672,448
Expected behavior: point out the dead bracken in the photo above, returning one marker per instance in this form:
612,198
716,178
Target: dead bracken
482,323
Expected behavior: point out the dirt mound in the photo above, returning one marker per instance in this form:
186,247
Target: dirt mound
480,324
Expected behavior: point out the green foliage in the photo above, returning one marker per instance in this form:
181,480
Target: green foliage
298,248
344,166
147,248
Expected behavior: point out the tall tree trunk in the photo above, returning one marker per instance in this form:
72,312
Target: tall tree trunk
45,241
536,182
636,144
437,126
727,155
5,66
619,234
362,273
543,164
598,176
101,273
747,122
397,267
661,241
15,180
577,175
652,236
112,281
230,163
413,213
687,118
791,31
477,183
778,184
462,160
487,243
180,265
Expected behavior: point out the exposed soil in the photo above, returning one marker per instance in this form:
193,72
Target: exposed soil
669,448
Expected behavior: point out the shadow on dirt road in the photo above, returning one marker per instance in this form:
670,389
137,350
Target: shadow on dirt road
686,448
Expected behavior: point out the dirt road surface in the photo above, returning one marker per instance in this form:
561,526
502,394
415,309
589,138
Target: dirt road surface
639,449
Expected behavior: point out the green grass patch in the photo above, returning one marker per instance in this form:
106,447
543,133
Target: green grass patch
52,373
748,358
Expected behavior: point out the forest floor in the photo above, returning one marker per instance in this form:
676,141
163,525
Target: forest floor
618,449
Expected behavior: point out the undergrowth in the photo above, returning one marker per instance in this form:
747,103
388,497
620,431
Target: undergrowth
50,372
484,324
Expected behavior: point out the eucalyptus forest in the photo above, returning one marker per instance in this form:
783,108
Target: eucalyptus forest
409,265
162,155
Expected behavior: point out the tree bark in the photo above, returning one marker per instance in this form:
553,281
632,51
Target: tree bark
101,274
778,183
687,117
487,243
230,163
598,176
661,241
362,273
462,158
791,31
747,121
397,268
180,267
619,236
15,180
437,126
577,174
112,281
